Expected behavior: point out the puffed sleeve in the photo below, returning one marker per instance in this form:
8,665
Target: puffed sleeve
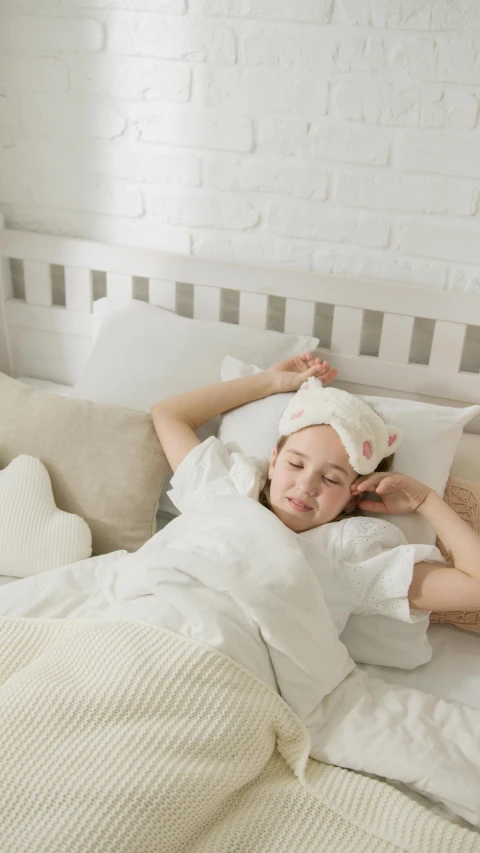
377,562
213,468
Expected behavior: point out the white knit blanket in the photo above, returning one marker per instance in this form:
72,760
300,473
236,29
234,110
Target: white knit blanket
124,737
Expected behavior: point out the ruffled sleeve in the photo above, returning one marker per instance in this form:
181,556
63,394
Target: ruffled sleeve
376,561
213,468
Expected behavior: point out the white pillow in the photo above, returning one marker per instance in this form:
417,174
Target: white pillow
431,437
34,535
384,641
143,354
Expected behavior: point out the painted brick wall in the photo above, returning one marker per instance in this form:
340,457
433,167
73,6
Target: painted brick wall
331,135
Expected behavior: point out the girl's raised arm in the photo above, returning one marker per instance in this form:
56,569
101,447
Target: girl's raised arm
176,418
433,587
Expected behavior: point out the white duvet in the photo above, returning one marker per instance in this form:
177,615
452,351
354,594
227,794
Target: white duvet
231,575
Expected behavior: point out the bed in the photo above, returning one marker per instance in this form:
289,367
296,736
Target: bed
413,344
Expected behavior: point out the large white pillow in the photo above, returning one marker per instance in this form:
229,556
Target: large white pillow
34,534
431,437
143,354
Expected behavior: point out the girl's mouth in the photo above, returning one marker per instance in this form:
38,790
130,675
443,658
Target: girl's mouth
299,506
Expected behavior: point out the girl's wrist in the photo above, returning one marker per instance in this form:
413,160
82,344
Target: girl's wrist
266,380
273,382
427,505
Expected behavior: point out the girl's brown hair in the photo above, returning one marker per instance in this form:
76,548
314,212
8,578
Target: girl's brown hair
384,465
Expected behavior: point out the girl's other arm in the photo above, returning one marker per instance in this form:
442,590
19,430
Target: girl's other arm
448,589
433,587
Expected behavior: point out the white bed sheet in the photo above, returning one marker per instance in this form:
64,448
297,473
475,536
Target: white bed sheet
453,673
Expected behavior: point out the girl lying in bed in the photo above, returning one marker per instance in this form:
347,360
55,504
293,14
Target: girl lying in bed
333,451
272,586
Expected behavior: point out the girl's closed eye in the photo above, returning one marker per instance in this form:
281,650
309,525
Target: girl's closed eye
327,479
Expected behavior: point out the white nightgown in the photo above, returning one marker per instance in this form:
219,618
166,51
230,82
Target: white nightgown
363,565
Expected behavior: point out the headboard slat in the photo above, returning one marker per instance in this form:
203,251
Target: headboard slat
119,287
162,293
447,346
38,283
253,310
347,330
299,317
78,289
396,338
206,302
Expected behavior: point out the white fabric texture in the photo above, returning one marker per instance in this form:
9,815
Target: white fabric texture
131,361
366,436
34,534
364,566
430,438
452,674
377,561
178,749
212,468
230,575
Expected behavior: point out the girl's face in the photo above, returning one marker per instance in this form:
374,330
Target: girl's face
310,479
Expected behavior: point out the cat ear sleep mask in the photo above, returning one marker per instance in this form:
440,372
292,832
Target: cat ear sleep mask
366,437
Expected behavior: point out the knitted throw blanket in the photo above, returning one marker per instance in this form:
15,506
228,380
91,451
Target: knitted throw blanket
122,737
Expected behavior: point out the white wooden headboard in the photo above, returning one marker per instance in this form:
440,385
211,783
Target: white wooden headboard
47,320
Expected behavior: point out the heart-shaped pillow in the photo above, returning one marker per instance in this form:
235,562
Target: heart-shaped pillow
34,534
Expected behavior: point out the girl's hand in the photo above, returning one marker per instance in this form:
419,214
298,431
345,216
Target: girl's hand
290,374
397,492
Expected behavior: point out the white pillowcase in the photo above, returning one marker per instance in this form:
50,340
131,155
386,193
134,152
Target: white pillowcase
431,436
34,535
384,641
143,354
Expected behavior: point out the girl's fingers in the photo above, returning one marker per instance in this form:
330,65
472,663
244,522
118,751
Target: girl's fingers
365,486
372,483
318,367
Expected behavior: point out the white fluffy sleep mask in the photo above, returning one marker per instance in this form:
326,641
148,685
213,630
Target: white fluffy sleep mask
363,432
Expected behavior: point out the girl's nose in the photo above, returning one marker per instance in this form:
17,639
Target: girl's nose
309,484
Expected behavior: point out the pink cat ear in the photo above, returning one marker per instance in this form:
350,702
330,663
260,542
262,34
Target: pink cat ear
367,449
297,415
391,439
304,387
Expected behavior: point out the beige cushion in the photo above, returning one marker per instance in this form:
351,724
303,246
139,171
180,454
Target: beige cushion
464,497
466,464
105,462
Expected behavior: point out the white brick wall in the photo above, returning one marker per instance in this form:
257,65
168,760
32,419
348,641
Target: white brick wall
330,135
